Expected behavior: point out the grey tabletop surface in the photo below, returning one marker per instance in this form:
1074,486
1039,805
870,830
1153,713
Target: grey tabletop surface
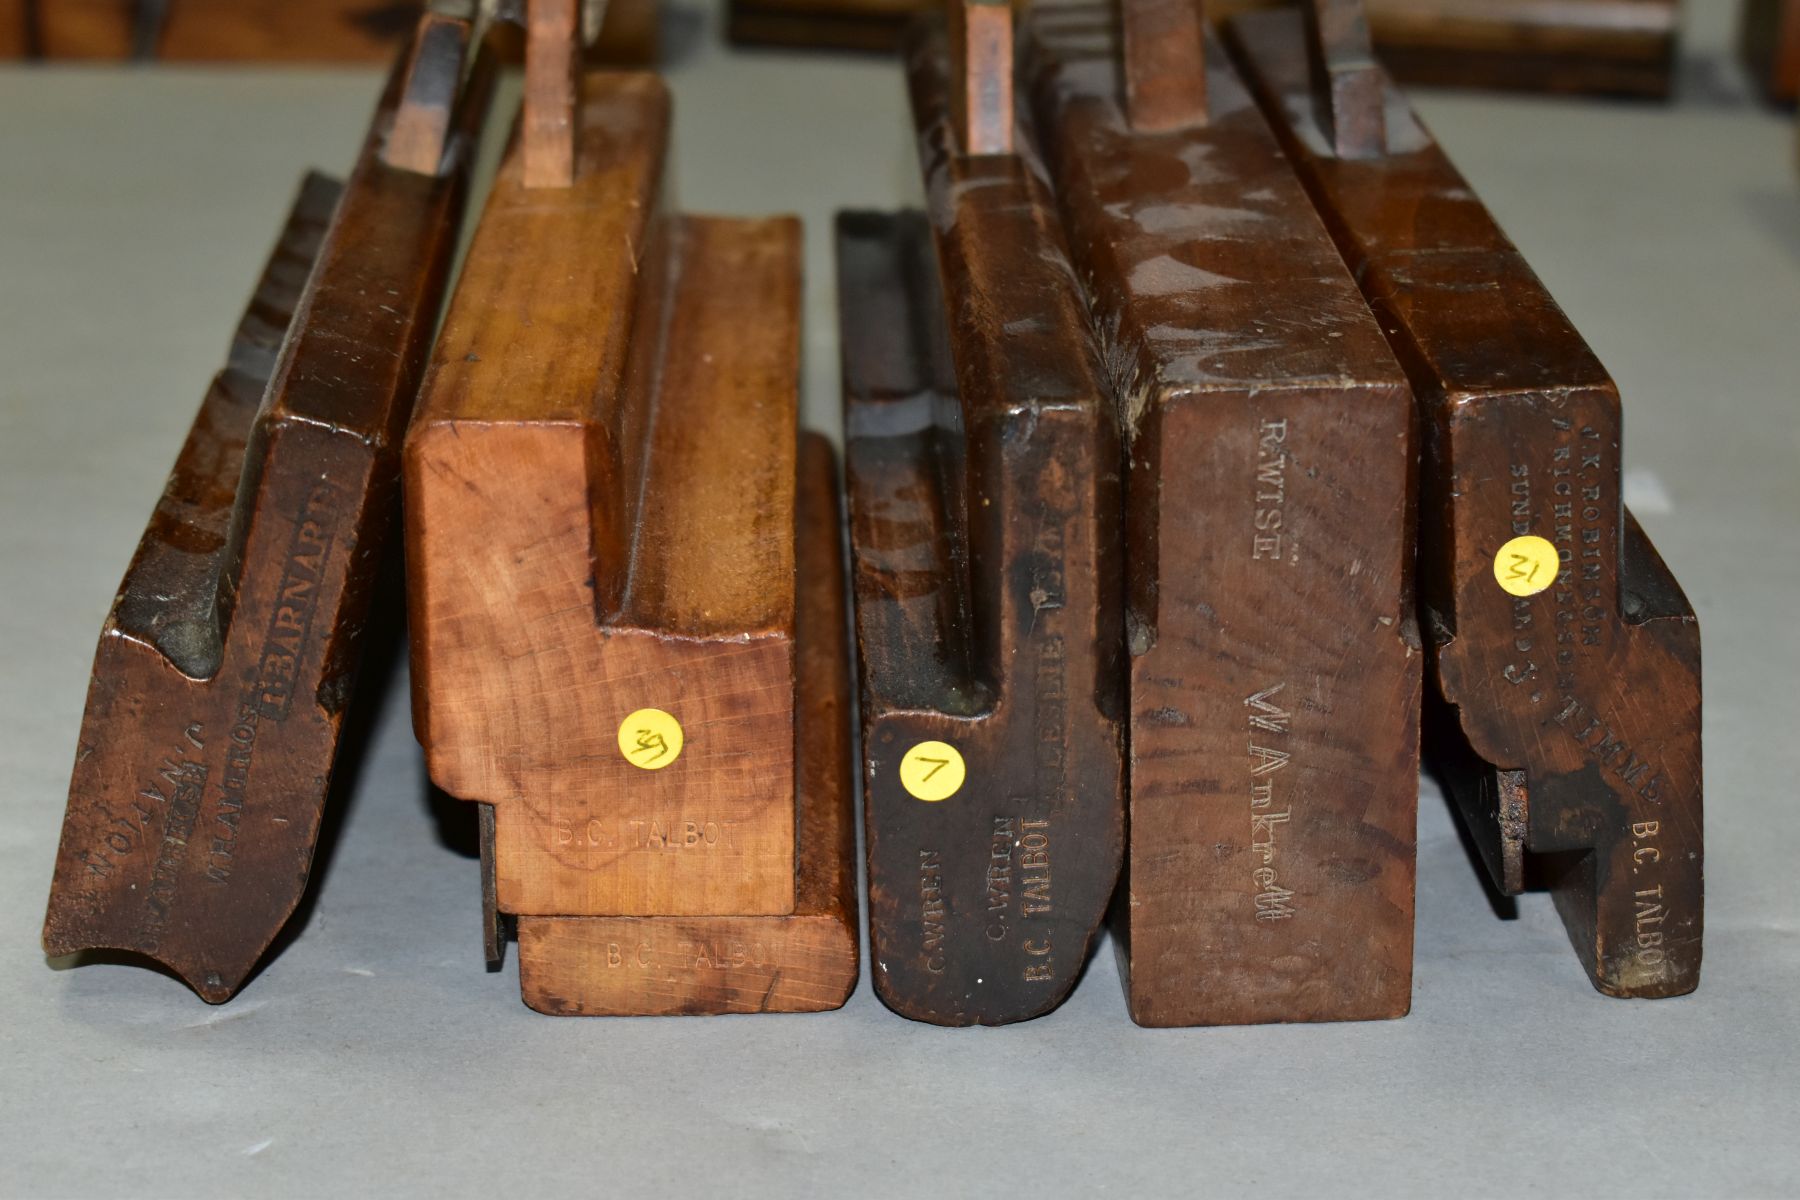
375,1055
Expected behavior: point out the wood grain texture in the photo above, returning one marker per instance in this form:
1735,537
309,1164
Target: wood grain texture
421,128
1349,86
220,683
548,124
15,33
1164,66
1769,42
312,31
600,499
1624,47
1615,47
982,470
1571,740
981,75
1275,668
805,961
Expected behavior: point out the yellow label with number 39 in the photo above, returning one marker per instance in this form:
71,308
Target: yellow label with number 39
650,738
1526,566
932,771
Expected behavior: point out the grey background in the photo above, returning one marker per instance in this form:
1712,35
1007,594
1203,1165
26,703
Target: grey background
376,1056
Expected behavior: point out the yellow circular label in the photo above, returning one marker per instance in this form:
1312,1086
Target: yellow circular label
932,771
1526,565
650,738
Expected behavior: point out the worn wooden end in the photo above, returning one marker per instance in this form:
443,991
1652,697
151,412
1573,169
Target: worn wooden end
600,517
1349,87
1275,667
273,31
1162,68
549,122
869,26
224,669
1605,47
1769,43
804,961
982,470
1569,660
1623,47
981,75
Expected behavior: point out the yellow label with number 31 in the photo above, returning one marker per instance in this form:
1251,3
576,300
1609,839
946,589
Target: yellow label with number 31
932,771
1526,566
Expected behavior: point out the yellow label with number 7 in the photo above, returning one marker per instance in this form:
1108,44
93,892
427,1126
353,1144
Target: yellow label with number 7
932,771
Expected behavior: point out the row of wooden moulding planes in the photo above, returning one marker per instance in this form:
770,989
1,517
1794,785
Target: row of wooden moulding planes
1209,451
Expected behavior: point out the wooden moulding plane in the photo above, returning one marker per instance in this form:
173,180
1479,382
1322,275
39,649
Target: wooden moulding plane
618,32
224,669
625,582
1268,515
1623,47
1565,720
1605,47
982,468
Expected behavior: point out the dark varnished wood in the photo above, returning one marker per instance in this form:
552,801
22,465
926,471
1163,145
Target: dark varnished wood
981,75
1612,47
868,26
1346,81
419,134
1769,41
16,34
1624,47
223,671
1570,733
983,481
273,31
1275,668
1163,64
